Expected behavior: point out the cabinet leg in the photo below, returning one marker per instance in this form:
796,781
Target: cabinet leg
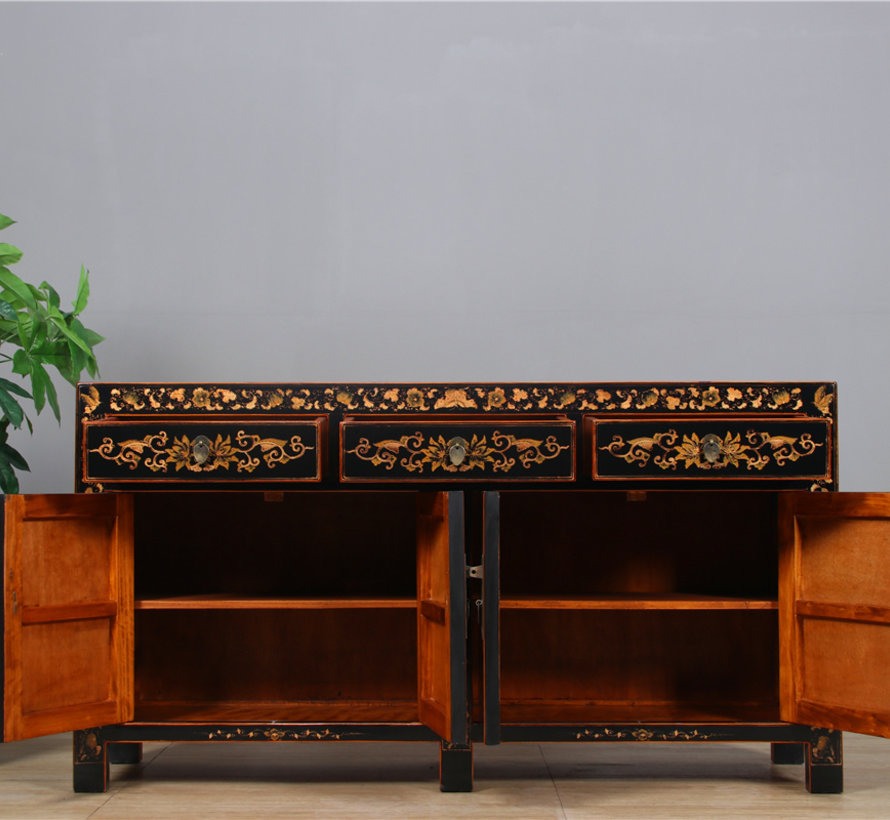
455,768
124,752
787,754
825,762
90,762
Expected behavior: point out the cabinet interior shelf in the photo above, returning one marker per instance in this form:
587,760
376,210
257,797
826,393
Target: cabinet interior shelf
297,711
226,602
640,601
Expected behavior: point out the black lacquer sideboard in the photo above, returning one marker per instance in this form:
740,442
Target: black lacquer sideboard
456,563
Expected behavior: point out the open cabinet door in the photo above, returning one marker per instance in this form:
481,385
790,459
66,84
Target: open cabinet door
834,610
442,615
68,613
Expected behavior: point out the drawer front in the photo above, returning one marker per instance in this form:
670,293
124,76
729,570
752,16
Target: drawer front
203,451
457,451
733,449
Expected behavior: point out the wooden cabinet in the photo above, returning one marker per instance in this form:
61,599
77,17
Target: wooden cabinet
450,563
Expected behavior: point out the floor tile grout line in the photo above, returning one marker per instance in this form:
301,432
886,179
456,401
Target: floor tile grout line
562,809
109,796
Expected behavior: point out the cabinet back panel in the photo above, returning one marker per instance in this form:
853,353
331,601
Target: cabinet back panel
252,656
301,545
660,662
587,543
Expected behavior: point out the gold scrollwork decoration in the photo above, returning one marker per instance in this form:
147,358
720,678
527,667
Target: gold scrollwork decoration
414,452
275,733
667,451
480,398
824,748
823,399
246,452
646,735
87,747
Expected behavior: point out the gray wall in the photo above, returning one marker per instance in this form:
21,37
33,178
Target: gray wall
460,191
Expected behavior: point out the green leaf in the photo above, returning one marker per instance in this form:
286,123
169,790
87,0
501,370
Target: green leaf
83,290
12,387
53,398
14,457
5,222
11,409
39,378
39,336
26,326
69,334
9,254
52,297
78,360
8,482
7,311
12,283
91,337
21,363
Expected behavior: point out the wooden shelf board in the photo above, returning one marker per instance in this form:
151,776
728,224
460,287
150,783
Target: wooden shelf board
316,711
228,602
636,602
571,711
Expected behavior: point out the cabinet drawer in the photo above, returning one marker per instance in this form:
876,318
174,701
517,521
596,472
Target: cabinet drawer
203,451
462,451
712,448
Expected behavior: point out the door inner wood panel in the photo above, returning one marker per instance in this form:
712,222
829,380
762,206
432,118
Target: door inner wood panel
836,611
69,618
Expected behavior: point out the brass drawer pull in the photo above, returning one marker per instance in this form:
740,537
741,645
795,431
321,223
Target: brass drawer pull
201,449
457,450
710,448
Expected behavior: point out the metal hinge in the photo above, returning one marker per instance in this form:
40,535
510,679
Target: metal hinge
475,571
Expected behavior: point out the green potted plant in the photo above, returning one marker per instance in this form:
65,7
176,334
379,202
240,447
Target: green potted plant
36,334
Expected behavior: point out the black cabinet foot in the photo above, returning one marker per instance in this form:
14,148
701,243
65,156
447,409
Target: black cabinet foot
90,762
825,762
788,754
124,752
456,768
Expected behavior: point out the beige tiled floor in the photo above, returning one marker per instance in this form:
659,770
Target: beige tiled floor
559,781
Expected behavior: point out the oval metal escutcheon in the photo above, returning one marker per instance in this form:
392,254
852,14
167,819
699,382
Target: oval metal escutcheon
710,448
457,450
201,449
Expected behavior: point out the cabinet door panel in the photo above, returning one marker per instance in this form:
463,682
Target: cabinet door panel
835,610
441,615
68,613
